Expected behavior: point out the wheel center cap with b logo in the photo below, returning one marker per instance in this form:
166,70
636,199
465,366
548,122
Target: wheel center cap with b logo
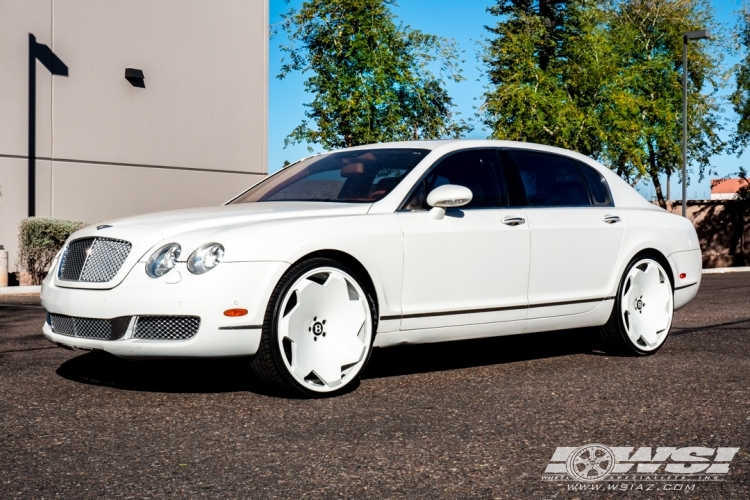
639,304
317,328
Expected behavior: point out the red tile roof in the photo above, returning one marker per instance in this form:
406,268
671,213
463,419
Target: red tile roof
726,186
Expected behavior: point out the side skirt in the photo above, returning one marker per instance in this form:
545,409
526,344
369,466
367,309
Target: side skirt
595,317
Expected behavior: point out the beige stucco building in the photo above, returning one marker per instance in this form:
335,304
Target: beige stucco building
191,133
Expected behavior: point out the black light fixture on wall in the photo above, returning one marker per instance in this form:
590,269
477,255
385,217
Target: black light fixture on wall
135,77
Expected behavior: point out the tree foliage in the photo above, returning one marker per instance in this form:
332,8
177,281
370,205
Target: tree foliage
604,79
740,98
373,80
649,34
546,74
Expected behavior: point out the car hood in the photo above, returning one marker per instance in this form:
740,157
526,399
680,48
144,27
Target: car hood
146,231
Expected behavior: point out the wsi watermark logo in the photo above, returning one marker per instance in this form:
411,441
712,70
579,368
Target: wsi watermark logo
663,468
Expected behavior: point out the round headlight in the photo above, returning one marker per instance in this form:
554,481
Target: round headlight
163,260
205,258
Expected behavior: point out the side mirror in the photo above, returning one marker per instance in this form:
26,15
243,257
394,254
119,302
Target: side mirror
447,196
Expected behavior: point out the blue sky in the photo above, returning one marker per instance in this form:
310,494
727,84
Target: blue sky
464,22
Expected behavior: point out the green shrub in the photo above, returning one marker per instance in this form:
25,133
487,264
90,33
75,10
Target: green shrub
39,240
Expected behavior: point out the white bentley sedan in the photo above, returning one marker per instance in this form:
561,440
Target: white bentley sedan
373,246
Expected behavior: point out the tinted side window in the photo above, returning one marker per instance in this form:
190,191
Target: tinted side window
598,188
477,170
550,180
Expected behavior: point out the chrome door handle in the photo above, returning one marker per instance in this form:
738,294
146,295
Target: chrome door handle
514,221
611,219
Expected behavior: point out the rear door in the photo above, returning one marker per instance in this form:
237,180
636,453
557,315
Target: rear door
576,232
472,266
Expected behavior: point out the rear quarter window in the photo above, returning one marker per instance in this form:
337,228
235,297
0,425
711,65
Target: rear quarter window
597,185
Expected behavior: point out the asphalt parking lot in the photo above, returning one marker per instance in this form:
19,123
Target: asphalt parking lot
473,419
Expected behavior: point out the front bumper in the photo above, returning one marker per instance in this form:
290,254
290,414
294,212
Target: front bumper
246,285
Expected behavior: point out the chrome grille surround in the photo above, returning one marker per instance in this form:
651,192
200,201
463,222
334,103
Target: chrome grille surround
166,327
88,328
93,260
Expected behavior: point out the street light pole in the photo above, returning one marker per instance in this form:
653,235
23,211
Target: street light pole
690,35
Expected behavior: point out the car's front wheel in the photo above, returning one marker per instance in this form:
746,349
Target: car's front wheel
318,329
643,309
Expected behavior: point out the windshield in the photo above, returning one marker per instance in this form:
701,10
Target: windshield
361,176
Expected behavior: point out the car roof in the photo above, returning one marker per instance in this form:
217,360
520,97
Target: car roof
623,193
454,144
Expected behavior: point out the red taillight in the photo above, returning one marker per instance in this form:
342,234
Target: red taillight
683,276
233,313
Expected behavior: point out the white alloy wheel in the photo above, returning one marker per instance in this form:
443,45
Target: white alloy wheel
646,305
324,331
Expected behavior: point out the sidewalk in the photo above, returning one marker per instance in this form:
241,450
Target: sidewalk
722,270
20,290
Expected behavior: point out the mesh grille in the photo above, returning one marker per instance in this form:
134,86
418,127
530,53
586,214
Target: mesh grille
74,258
166,327
89,328
62,324
105,260
94,260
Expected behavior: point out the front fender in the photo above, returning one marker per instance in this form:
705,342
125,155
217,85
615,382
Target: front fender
375,240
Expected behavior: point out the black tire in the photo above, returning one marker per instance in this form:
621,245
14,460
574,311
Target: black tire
268,363
613,333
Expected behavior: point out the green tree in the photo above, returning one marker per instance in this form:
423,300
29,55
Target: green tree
740,98
549,66
604,79
373,80
648,36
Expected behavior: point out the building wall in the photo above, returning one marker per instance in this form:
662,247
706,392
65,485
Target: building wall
723,196
723,228
194,136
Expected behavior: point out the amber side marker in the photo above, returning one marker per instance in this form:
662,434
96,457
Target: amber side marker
233,313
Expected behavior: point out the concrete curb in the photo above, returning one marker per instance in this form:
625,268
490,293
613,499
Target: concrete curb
20,290
722,270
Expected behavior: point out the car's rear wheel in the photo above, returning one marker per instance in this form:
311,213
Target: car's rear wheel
318,329
643,310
